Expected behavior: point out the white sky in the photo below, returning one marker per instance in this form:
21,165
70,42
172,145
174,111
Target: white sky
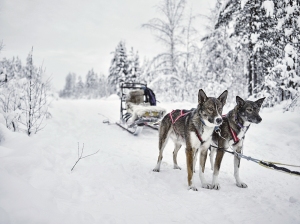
77,35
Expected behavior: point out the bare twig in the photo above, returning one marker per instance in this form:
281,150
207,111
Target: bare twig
82,157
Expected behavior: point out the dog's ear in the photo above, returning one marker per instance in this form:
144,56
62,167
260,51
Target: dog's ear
201,96
239,101
223,97
260,101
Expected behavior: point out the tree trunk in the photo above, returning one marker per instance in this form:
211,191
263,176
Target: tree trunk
249,78
254,74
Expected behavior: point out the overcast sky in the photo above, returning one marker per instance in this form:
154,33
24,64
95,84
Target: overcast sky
78,35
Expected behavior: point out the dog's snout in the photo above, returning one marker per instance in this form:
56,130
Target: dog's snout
219,120
259,119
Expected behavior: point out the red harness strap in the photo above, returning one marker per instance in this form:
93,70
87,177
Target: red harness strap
182,115
199,136
232,132
234,135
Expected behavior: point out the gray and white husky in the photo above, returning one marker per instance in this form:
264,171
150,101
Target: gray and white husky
232,133
193,128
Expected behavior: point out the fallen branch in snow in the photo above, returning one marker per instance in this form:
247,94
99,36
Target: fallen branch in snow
82,157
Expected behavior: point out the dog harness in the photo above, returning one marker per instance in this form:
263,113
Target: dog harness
180,116
232,132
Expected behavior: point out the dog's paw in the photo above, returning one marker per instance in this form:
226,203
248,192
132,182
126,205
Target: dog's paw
156,170
241,185
192,188
207,186
177,167
216,186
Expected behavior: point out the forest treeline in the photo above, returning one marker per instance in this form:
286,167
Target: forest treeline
249,47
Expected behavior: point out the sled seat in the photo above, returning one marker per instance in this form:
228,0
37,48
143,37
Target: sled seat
140,110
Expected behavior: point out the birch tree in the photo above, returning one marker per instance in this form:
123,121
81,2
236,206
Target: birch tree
34,102
167,30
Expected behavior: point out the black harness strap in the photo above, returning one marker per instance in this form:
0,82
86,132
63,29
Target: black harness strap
278,168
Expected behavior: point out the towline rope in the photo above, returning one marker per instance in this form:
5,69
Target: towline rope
266,164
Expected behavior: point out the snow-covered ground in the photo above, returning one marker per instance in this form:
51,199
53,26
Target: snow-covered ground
117,185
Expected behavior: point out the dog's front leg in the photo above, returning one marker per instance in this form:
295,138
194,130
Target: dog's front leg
212,157
203,157
189,162
195,160
220,153
237,163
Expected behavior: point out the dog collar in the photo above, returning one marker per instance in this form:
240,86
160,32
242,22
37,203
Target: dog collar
202,121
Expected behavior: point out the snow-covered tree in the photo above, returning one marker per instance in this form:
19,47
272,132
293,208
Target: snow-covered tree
251,25
24,96
11,95
168,30
91,84
222,59
267,30
102,88
70,85
134,70
79,88
35,100
118,70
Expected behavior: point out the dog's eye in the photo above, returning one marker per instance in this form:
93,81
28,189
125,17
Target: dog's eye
210,110
249,110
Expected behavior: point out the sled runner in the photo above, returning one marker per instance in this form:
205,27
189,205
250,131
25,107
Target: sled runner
138,108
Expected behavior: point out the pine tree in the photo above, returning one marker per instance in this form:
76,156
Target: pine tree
79,88
91,84
252,27
69,89
283,81
118,70
102,88
134,70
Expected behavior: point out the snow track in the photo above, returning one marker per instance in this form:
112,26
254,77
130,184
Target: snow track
117,185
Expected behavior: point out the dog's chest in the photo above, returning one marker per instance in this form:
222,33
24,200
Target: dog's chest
206,136
241,134
243,130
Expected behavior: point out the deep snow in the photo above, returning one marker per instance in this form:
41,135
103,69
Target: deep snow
117,185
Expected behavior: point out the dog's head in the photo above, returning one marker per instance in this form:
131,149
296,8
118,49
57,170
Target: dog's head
249,110
210,108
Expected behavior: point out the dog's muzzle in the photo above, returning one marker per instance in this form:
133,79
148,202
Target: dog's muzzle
256,121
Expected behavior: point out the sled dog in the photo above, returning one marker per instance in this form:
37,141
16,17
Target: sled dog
193,128
232,133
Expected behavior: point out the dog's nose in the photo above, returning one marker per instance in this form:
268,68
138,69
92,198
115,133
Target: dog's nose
219,120
259,119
